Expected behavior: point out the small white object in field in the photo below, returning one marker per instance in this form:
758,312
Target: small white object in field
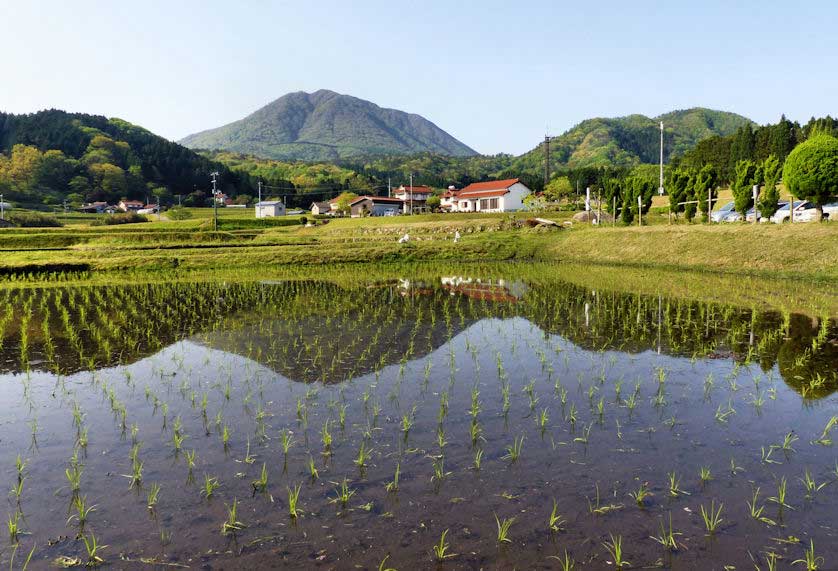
456,236
404,239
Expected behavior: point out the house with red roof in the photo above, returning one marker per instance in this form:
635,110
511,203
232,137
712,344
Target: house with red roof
492,196
448,198
415,197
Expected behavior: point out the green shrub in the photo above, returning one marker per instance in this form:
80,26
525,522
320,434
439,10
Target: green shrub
127,218
33,220
178,213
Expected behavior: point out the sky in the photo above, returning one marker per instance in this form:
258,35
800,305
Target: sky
497,75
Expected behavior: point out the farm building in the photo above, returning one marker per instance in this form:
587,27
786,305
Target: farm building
270,208
376,206
130,205
492,196
321,208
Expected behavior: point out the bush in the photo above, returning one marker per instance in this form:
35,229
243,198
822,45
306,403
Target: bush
303,220
33,220
127,218
178,213
811,170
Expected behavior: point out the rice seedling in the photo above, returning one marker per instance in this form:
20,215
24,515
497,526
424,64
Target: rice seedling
780,498
232,525
343,494
675,489
326,438
312,469
93,549
261,483
586,434
13,526
393,486
440,437
615,550
555,522
439,474
789,439
286,440
191,457
566,562
73,475
209,486
82,511
478,458
756,510
382,565
705,475
666,537
363,456
293,499
441,549
825,438
26,562
711,517
641,494
812,487
503,529
153,496
811,561
598,508
513,452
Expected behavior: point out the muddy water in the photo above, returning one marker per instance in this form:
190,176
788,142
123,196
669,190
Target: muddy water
630,388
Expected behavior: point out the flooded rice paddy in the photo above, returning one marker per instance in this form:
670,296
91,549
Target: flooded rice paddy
450,423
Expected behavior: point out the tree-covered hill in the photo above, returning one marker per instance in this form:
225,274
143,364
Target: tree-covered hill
53,155
327,126
631,140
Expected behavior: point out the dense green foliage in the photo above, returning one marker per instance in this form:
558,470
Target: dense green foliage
327,126
811,170
50,156
117,219
33,220
770,196
746,175
756,145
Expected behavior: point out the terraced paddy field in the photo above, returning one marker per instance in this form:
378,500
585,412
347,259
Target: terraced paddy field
452,417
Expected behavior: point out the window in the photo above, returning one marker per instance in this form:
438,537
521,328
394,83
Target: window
488,204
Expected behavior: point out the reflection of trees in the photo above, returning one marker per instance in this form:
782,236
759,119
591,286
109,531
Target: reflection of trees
318,331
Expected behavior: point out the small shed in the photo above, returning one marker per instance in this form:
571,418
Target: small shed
321,208
270,208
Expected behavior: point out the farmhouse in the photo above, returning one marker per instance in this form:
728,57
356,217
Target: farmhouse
415,198
493,196
321,208
130,205
270,208
448,199
375,206
95,207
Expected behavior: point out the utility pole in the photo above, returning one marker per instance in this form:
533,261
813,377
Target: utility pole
215,200
2,208
389,188
660,188
260,191
411,193
546,159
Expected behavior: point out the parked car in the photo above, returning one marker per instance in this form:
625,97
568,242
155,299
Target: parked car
830,211
721,213
804,211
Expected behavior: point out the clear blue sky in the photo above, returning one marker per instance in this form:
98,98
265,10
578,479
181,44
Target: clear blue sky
494,74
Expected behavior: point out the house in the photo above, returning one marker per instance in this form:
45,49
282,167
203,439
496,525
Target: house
376,206
148,209
492,196
130,205
448,198
415,197
95,207
321,208
270,208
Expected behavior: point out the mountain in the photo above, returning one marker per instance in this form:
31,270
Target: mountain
631,140
324,126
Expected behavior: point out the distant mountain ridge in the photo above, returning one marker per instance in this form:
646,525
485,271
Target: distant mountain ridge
328,126
632,140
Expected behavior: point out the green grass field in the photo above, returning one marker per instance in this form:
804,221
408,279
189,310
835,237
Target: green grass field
807,251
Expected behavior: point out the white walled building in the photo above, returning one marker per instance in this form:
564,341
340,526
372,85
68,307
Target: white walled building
270,208
493,196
